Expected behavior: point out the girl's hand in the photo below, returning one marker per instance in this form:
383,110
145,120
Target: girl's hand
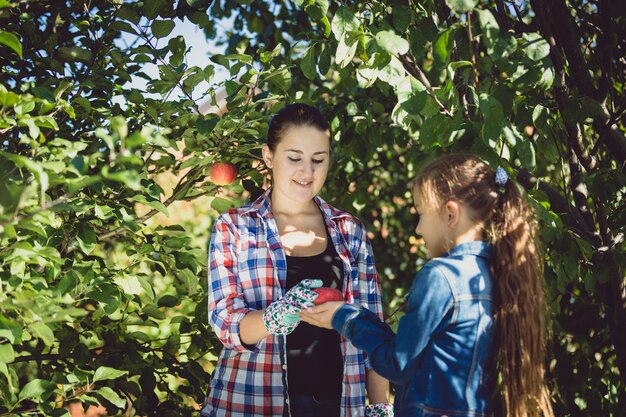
321,315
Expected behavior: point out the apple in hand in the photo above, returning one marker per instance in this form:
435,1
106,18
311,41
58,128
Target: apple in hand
325,294
223,173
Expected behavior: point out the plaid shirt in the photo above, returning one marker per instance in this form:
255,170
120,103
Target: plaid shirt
247,271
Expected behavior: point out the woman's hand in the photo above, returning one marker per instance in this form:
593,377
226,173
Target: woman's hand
321,315
281,317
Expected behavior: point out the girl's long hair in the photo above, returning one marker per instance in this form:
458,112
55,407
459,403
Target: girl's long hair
517,273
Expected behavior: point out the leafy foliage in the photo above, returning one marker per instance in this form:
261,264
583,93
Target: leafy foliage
106,205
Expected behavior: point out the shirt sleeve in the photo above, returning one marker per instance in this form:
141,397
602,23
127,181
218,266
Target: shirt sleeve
227,306
396,356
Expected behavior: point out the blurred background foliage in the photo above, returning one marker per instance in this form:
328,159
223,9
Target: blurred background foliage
106,204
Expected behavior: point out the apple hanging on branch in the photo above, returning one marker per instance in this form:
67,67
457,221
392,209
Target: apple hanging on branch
325,294
223,173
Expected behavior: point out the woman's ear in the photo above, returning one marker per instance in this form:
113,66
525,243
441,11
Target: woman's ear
268,155
453,213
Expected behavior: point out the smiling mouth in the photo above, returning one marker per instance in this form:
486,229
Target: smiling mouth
303,183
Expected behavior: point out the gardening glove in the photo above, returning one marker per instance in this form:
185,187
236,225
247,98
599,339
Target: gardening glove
281,317
379,410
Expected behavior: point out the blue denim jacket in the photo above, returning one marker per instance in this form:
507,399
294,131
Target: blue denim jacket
441,358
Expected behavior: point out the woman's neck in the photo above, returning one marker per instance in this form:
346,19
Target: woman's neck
287,207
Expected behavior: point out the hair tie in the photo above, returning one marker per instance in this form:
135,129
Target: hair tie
501,177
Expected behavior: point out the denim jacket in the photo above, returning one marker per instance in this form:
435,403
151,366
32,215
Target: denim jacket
441,358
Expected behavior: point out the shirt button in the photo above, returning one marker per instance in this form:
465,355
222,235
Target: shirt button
285,367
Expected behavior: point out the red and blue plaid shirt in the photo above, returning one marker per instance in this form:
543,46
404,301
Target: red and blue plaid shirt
247,271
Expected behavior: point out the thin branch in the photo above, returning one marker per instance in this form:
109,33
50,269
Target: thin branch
409,64
558,204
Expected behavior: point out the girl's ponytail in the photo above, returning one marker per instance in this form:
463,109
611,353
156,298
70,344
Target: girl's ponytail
519,315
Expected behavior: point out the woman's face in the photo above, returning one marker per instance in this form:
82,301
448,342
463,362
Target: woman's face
300,162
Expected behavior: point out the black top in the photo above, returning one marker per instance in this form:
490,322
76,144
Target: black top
314,361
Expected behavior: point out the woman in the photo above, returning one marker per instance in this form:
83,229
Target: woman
264,260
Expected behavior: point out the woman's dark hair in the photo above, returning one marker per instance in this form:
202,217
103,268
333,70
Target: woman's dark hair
296,114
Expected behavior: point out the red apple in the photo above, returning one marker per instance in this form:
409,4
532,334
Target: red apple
223,173
325,294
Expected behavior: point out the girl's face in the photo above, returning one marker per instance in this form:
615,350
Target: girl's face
432,226
300,163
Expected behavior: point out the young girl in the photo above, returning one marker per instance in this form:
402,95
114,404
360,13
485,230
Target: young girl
474,316
262,257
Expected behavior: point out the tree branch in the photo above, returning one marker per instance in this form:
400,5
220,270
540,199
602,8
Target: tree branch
610,135
409,64
559,205
561,90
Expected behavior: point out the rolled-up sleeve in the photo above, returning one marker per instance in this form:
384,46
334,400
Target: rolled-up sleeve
227,306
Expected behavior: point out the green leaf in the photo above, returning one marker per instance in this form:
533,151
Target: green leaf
10,330
153,7
221,204
392,43
104,373
540,116
493,119
189,281
168,300
443,47
536,47
489,27
129,284
462,6
523,146
155,204
42,331
344,22
74,53
162,28
37,390
308,63
325,57
12,41
153,311
581,110
130,178
401,18
7,354
30,165
108,295
317,9
434,130
24,107
87,238
109,395
346,48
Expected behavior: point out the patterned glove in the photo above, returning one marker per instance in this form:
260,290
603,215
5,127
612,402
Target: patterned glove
379,410
281,317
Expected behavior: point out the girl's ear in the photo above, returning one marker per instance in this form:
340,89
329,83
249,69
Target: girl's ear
268,155
453,213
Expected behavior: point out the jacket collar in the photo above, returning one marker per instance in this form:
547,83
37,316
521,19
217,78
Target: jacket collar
478,248
262,207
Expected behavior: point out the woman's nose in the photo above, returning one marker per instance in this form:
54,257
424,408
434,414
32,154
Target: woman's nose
308,168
